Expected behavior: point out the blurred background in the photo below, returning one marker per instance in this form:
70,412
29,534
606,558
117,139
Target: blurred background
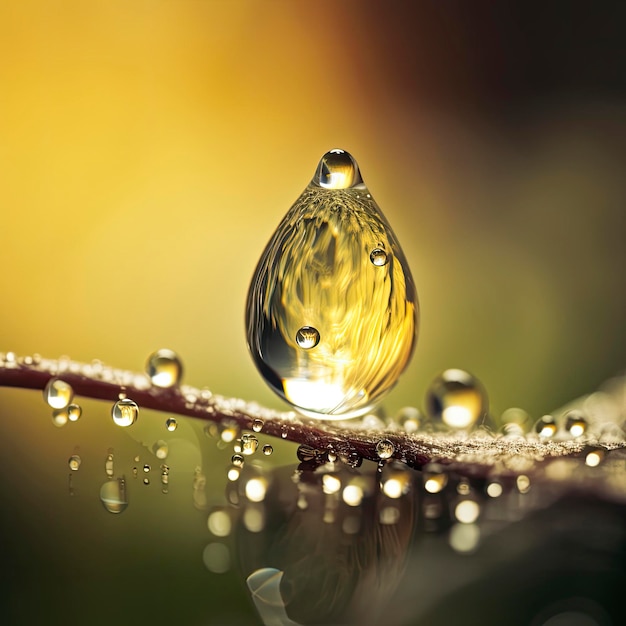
148,149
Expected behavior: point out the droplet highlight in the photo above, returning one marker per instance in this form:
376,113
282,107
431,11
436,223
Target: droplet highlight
385,449
249,444
267,449
317,275
171,424
546,426
457,400
74,411
378,257
164,368
74,462
575,423
57,393
125,412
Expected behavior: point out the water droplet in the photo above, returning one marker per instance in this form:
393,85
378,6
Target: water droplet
546,426
113,495
385,449
160,449
237,460
146,468
74,412
57,393
378,257
257,425
457,399
249,444
171,424
164,368
60,417
108,465
74,462
267,449
125,412
575,423
306,453
146,481
316,270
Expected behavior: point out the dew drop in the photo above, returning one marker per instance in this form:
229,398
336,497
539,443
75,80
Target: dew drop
125,412
385,449
456,399
60,417
257,425
546,426
467,511
57,393
164,368
306,453
267,449
74,462
317,269
523,483
171,424
146,468
378,257
307,337
113,495
146,481
237,460
249,444
575,423
74,411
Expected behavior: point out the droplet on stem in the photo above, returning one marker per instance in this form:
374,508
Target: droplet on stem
57,393
171,424
164,368
328,330
125,412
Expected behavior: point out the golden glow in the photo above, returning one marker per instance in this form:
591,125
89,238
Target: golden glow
219,523
467,511
352,495
256,488
330,484
494,490
457,416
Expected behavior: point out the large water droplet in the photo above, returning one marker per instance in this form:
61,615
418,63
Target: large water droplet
385,449
249,444
125,412
457,399
57,393
164,368
74,411
317,273
267,449
575,423
113,495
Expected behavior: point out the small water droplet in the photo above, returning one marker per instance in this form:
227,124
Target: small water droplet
74,462
146,468
74,411
575,423
378,257
385,449
164,368
237,460
267,449
171,424
113,495
456,399
160,449
108,465
317,270
146,481
306,453
57,393
257,425
125,412
249,444
307,337
546,426
60,417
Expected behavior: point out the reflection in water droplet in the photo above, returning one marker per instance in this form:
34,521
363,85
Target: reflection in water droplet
267,449
74,462
233,474
316,270
160,449
113,495
575,423
385,449
546,426
237,460
467,511
125,412
249,444
378,257
306,453
216,558
60,417
57,393
257,425
457,399
171,424
164,368
74,412
352,495
307,337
